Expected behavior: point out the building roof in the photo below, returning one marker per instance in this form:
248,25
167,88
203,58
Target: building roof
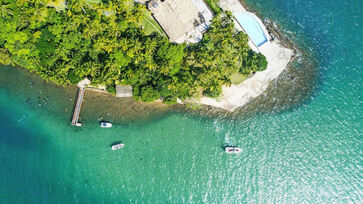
176,17
123,91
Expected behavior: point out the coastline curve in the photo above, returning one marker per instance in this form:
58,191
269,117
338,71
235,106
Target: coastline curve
277,56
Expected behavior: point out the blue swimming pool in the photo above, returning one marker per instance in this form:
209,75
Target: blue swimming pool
252,28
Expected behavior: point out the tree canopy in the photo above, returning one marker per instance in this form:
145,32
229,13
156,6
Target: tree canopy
104,41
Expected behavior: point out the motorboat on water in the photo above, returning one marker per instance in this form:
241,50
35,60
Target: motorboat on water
232,150
117,146
105,125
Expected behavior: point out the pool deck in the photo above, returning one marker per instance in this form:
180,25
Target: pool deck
277,56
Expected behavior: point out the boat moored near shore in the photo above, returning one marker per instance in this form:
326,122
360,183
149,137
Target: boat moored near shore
105,125
232,150
117,146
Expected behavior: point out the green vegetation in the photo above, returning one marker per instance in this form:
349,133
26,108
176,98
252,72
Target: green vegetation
150,25
59,5
105,42
213,5
238,78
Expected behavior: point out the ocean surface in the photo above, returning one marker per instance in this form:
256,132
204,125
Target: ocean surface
306,151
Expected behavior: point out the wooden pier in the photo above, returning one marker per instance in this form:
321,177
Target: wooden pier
77,109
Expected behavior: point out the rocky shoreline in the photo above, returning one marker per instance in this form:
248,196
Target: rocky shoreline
277,56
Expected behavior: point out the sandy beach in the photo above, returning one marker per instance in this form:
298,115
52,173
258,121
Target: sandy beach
236,96
277,56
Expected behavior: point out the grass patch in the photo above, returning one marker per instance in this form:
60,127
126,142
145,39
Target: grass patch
150,25
238,78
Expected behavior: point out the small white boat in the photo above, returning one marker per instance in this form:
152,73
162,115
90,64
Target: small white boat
233,150
117,146
105,125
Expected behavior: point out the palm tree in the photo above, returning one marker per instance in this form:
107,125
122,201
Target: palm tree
80,20
39,13
79,5
89,32
5,10
62,52
91,69
22,2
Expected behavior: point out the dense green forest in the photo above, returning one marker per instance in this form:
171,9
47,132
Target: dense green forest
106,43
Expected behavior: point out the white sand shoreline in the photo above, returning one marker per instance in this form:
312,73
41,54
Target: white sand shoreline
277,56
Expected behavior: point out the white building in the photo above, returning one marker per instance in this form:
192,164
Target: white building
182,20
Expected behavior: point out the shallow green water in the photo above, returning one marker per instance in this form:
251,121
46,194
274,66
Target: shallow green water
310,153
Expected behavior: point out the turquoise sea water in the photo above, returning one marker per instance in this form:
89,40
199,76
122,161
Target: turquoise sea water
310,153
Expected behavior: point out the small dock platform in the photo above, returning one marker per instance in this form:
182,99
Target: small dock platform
77,108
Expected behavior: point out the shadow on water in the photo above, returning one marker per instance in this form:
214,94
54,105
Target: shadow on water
13,134
29,161
115,143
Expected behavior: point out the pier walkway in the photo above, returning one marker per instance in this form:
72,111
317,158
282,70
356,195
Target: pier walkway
77,109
